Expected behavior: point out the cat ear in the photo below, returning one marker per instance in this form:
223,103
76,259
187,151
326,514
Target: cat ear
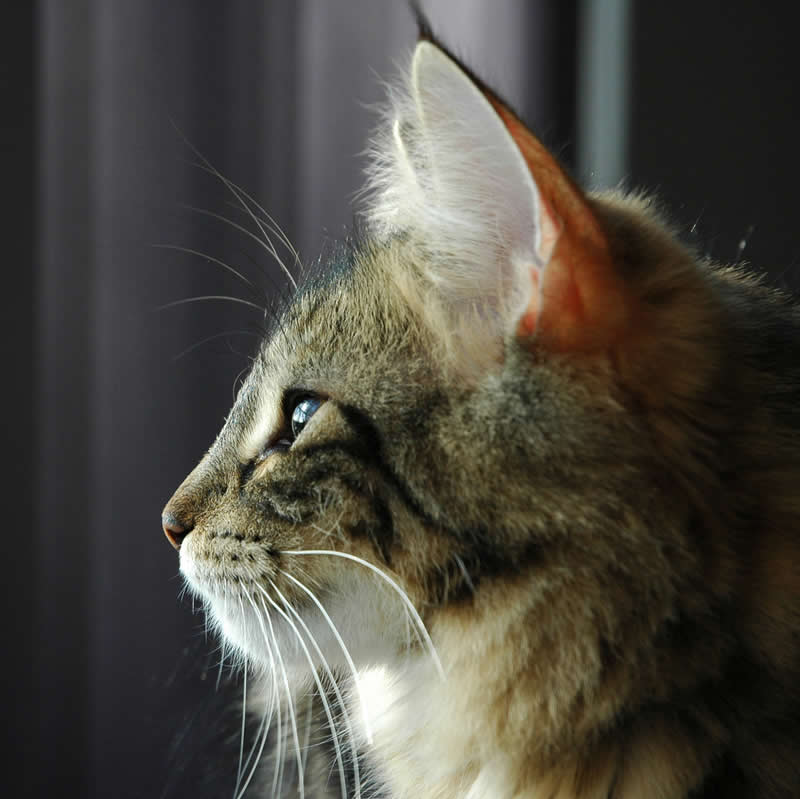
505,228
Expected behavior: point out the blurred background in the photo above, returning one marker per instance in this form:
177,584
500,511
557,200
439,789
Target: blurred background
108,402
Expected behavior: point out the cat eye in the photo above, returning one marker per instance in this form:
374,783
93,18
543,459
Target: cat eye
303,410
299,408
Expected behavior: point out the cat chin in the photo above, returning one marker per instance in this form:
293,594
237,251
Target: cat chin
362,628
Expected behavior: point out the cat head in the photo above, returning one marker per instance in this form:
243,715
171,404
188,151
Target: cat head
497,388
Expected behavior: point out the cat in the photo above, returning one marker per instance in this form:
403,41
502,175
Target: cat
510,494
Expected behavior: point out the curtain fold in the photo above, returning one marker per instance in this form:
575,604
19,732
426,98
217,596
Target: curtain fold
63,403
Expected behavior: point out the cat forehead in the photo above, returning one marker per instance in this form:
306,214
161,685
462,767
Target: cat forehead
351,299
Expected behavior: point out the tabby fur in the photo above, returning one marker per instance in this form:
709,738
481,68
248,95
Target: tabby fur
571,442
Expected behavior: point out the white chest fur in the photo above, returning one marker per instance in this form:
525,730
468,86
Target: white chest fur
426,742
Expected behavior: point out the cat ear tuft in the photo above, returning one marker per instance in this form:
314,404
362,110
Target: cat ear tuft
502,227
424,28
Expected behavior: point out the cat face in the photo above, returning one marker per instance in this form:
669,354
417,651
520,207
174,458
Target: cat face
312,457
466,406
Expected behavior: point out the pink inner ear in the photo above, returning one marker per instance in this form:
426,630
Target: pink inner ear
529,320
578,304
577,300
550,229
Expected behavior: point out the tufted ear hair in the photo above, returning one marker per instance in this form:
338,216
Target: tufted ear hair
503,227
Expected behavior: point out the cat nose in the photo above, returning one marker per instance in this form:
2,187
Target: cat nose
175,530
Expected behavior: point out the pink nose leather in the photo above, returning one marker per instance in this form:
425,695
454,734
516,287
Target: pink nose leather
174,530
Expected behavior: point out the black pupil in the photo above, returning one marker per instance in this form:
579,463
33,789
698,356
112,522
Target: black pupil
302,412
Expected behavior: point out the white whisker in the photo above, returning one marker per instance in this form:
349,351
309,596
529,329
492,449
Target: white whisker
207,297
334,685
289,700
345,650
212,337
268,220
223,652
272,226
401,593
330,533
261,737
266,244
325,704
244,713
465,573
239,192
206,257
241,735
236,191
274,703
307,732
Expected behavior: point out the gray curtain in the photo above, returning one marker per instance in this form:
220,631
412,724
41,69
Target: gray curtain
110,679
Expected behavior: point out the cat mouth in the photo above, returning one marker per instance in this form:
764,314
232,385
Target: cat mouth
226,561
247,577
271,626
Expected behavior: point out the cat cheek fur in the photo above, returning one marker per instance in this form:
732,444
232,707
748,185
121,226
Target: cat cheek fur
554,440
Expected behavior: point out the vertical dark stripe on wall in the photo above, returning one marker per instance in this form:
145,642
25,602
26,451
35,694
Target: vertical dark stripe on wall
561,71
64,404
18,66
